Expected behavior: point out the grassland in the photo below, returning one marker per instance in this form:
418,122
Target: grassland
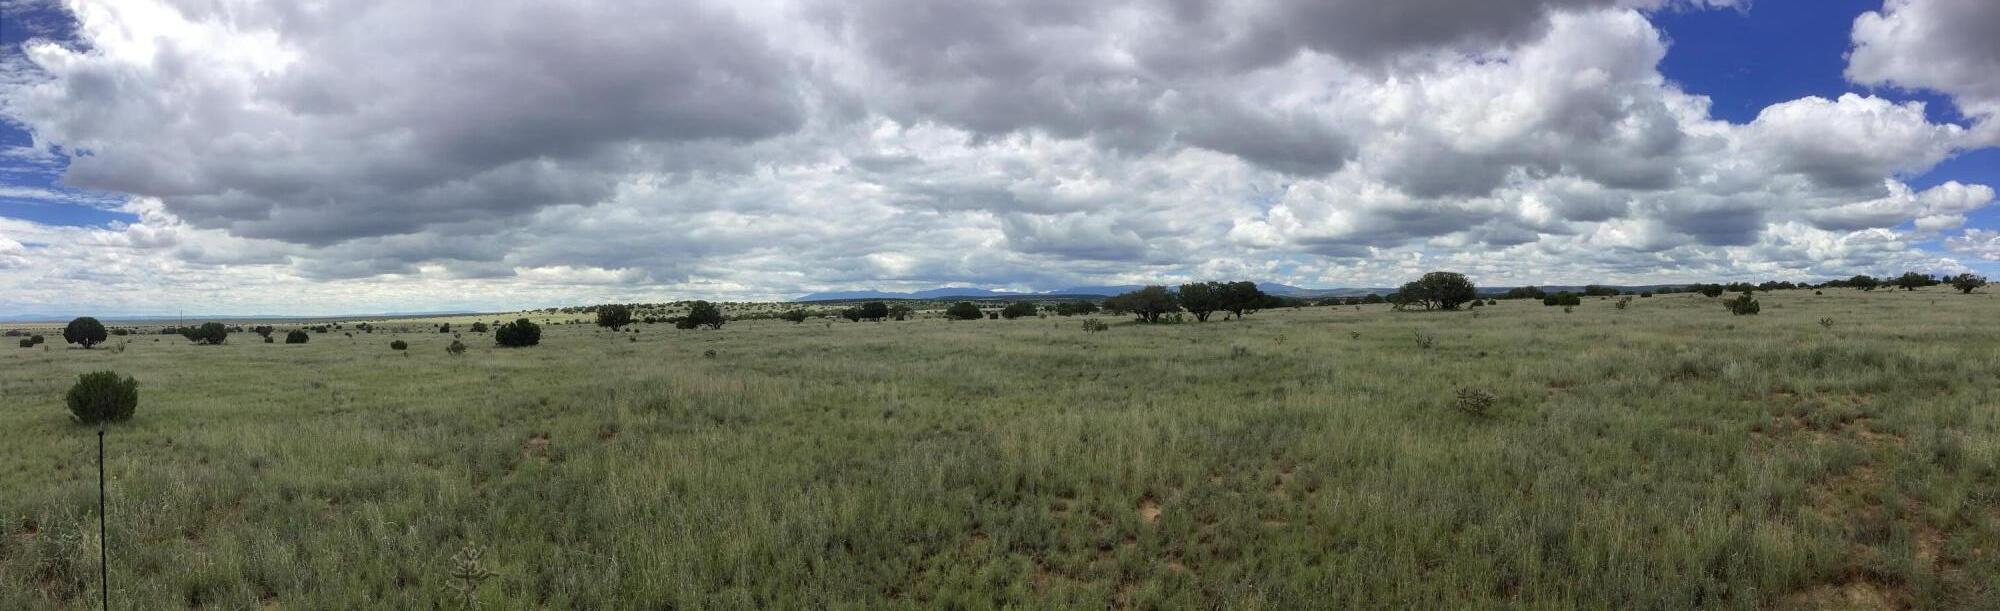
1666,456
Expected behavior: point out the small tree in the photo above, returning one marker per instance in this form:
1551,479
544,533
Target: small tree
399,345
875,311
479,327
614,316
1243,296
963,310
264,331
1442,290
1148,304
1018,309
84,331
456,348
296,336
1909,281
1742,305
1709,290
103,397
796,316
1966,283
1201,299
444,328
702,313
518,334
900,312
208,334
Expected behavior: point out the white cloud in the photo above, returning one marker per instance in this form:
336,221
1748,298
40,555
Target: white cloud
1942,45
521,152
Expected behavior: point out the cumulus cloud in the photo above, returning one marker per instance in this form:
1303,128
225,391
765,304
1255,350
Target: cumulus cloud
757,150
1947,46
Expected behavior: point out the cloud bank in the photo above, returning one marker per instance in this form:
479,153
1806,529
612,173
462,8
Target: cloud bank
397,155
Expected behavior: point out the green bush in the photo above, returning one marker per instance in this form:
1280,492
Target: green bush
795,316
963,310
1563,299
208,334
1742,305
1018,309
702,314
479,327
399,345
456,348
297,337
520,333
103,397
27,343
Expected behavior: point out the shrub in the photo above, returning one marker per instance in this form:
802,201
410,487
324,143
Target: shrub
456,348
614,316
1742,305
963,310
1474,401
38,339
1709,290
1071,308
900,312
84,331
296,336
1622,303
1092,325
208,334
267,339
874,310
702,313
520,333
444,328
27,343
479,327
103,397
795,316
1564,298
399,345
1018,309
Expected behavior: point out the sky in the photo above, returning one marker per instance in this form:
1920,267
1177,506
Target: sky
241,157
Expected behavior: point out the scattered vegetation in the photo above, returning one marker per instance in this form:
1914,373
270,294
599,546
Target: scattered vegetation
702,314
963,310
296,336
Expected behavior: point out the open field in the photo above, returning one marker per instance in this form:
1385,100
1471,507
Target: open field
1668,455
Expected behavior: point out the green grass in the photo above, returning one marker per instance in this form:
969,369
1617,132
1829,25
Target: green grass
1664,456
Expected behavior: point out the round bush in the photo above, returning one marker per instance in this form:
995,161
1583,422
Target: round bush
103,397
399,345
27,343
517,334
297,337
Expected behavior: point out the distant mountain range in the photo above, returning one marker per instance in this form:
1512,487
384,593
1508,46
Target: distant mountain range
1272,288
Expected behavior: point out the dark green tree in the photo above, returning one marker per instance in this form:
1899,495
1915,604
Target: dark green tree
103,397
703,314
520,333
1148,304
875,311
614,316
1440,290
1018,309
85,331
963,310
208,334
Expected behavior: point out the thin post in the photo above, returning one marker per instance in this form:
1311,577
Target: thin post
103,545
